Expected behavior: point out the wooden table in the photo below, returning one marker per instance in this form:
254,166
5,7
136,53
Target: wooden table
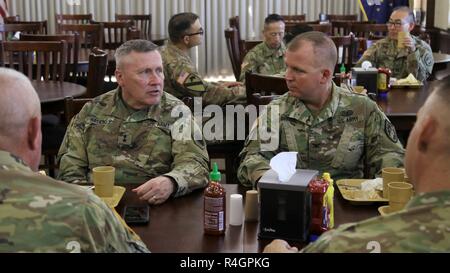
52,94
177,225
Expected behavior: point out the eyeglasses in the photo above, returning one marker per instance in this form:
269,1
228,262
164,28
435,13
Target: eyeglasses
396,24
200,32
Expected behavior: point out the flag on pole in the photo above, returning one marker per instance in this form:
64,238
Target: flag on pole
3,10
379,10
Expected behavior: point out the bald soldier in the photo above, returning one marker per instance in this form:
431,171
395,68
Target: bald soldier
414,57
181,76
267,57
424,224
332,130
37,213
135,129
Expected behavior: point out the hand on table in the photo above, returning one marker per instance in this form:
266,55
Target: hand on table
156,190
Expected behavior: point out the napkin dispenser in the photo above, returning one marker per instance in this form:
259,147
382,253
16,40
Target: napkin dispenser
285,207
367,77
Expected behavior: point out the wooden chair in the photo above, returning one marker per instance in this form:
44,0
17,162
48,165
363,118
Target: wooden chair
347,45
369,31
98,62
340,17
91,35
43,24
38,60
72,107
72,19
10,19
340,28
232,41
234,23
142,22
294,19
116,33
73,48
7,31
248,45
262,89
325,28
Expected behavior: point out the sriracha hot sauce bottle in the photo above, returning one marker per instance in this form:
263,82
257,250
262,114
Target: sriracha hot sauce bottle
214,205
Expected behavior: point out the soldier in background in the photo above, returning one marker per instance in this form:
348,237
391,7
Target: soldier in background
332,129
181,77
38,213
267,57
415,57
132,129
424,224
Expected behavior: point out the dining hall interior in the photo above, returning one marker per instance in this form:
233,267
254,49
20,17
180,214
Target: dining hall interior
74,52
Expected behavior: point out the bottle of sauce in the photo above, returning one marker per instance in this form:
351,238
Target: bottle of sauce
319,208
214,205
384,75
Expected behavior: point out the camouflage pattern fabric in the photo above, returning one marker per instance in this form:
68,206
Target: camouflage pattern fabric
138,143
182,79
39,214
385,54
350,132
423,226
264,60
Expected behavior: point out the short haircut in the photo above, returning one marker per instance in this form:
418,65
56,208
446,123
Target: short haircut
140,46
272,18
296,30
411,18
179,24
441,91
325,51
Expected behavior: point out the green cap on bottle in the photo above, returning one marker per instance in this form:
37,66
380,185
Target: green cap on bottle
342,69
215,174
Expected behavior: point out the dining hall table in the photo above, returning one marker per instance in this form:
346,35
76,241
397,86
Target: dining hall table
176,226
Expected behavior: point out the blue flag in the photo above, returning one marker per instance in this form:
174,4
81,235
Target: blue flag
379,10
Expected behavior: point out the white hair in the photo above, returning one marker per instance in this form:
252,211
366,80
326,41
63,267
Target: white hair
19,102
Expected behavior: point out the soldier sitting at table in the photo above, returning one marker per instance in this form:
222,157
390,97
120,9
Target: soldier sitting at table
423,226
412,56
134,129
181,77
38,213
332,130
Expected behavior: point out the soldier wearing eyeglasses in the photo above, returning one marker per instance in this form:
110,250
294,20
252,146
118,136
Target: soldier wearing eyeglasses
414,56
181,76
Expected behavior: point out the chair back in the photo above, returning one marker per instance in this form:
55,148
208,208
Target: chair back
234,23
98,62
294,19
262,89
72,107
7,31
73,48
346,47
38,60
117,33
248,45
369,31
72,19
43,24
232,41
91,35
142,22
340,17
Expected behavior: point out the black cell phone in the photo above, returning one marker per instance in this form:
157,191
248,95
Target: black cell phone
135,215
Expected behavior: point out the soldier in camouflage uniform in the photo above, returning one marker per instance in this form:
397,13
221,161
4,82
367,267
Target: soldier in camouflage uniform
181,77
267,57
132,129
37,213
424,224
416,57
332,130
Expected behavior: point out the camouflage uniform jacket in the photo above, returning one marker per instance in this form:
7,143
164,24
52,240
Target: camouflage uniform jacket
39,214
385,53
139,144
264,60
423,226
182,79
348,133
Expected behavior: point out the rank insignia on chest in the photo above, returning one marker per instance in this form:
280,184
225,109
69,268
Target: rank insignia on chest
124,139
